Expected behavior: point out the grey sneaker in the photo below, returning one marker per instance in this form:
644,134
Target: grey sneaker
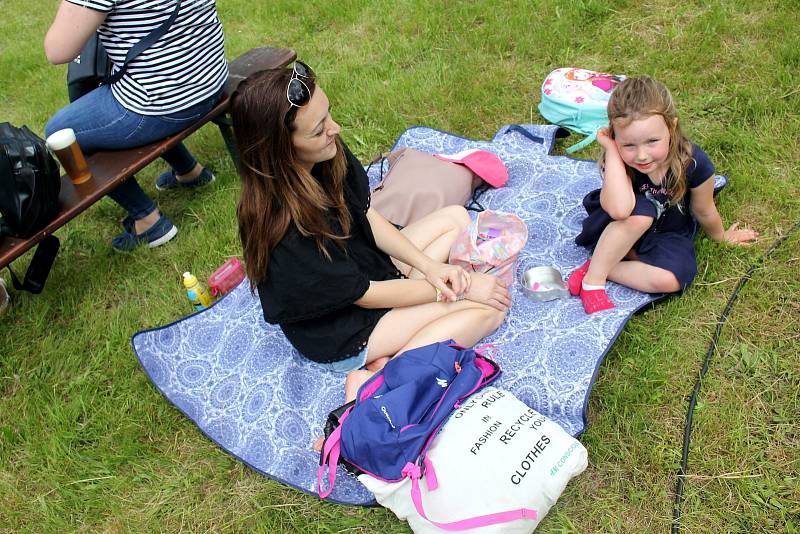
158,234
168,180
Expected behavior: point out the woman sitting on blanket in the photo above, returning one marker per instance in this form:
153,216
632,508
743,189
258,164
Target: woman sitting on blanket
348,289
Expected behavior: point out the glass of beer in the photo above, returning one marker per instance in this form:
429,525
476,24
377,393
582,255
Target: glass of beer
66,148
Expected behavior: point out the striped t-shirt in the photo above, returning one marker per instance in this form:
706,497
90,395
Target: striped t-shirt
184,67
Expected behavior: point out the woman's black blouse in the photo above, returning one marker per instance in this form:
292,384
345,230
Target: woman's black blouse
312,297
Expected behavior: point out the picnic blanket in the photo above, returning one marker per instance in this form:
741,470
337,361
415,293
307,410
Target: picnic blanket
241,382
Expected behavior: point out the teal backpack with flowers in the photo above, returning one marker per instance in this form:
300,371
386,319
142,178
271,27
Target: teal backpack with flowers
577,99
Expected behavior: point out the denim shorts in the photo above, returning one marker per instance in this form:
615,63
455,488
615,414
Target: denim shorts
350,364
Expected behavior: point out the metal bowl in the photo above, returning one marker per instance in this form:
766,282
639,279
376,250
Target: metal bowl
543,283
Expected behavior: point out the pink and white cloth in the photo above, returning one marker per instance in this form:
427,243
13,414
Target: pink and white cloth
490,244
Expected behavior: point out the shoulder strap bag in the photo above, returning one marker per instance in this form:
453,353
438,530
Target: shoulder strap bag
92,67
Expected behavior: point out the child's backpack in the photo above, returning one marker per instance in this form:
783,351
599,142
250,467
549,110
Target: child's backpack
387,430
577,99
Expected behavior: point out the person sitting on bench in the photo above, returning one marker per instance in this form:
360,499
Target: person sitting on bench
171,85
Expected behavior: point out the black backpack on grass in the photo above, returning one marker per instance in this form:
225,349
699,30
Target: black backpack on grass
29,182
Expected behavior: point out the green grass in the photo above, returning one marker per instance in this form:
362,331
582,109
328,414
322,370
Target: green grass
88,444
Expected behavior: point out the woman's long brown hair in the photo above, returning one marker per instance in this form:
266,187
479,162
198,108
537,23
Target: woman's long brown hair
639,98
276,190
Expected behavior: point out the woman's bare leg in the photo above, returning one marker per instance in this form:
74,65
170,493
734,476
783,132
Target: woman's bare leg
405,328
377,365
414,326
354,380
434,234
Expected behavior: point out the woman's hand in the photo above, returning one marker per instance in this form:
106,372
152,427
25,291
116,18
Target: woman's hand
490,290
739,237
452,280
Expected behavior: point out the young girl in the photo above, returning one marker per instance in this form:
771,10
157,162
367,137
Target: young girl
656,183
347,288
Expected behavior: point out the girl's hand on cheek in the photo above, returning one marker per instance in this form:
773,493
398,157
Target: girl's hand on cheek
604,139
739,237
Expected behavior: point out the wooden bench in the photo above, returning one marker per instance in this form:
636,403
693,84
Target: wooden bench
110,168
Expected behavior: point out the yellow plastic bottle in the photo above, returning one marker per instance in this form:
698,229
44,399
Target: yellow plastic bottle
196,292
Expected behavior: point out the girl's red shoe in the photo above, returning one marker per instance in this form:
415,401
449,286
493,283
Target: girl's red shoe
595,300
576,279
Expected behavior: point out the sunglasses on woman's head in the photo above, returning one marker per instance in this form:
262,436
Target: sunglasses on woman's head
297,92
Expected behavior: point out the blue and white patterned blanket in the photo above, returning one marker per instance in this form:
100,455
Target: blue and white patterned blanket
247,389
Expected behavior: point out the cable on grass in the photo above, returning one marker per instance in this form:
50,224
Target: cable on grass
687,430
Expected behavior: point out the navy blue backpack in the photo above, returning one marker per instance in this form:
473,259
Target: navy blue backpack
397,413
399,410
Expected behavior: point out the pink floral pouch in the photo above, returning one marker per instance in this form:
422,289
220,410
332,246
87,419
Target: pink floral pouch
490,244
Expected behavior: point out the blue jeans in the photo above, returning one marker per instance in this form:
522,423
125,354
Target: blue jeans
102,123
350,364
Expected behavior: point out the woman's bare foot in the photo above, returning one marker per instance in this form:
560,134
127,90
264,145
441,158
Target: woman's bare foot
353,381
377,365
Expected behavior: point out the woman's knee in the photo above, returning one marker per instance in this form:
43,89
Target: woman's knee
353,381
491,317
497,317
458,216
55,123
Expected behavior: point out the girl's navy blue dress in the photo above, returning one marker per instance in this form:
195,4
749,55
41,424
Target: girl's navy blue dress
669,243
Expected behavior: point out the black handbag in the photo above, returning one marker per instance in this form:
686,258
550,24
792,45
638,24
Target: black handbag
29,186
92,67
29,181
89,70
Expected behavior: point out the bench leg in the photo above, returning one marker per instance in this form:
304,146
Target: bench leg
224,123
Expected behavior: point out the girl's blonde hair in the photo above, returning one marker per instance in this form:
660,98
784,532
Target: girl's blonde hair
642,97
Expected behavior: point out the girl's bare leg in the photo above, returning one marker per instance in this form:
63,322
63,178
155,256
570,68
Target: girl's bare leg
615,242
644,277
